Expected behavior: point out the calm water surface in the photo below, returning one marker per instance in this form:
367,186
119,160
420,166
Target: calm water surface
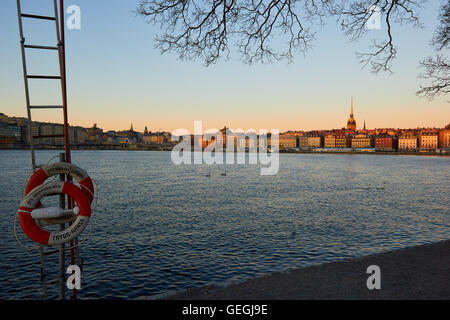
160,228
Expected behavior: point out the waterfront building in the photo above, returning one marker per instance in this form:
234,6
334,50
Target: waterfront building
128,136
146,139
343,141
303,141
81,135
247,141
203,141
47,130
57,130
197,140
385,142
351,123
36,128
167,135
23,133
95,134
10,134
3,118
287,141
72,135
111,134
428,140
329,141
252,142
157,138
315,141
160,139
407,141
444,137
77,135
37,131
122,139
361,141
222,137
263,142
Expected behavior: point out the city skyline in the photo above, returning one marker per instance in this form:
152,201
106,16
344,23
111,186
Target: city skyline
351,124
117,79
347,139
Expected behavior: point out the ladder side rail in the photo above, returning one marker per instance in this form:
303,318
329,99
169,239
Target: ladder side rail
60,35
62,253
64,156
30,129
27,93
62,55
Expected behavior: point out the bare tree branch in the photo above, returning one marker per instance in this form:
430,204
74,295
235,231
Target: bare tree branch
442,34
202,28
355,15
437,69
208,29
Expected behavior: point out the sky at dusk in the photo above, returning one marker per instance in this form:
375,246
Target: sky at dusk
116,77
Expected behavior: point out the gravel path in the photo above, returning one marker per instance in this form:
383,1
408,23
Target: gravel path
421,272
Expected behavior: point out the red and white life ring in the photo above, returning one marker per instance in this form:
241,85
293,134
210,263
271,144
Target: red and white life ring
30,202
64,168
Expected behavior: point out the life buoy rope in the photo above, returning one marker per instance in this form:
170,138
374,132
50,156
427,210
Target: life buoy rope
37,188
43,237
34,247
64,168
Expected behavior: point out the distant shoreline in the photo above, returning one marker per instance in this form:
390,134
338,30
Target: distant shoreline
392,153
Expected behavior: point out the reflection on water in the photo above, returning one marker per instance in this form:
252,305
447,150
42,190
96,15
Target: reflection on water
160,227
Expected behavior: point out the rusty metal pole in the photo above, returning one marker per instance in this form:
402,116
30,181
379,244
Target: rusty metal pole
62,256
64,82
66,122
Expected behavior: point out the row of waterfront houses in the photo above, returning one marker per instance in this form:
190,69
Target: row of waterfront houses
421,139
381,139
14,132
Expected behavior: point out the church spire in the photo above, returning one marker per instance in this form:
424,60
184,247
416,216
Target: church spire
131,129
351,123
351,112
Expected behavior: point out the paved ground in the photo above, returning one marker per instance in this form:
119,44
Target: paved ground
421,272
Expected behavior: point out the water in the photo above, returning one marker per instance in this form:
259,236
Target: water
160,228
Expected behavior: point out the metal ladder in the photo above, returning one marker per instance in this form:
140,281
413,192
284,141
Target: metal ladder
62,76
60,38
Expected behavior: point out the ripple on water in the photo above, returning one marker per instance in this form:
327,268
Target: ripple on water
160,227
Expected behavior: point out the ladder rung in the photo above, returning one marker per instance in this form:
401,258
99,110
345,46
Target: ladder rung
34,16
46,107
42,77
50,252
52,282
30,46
49,136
